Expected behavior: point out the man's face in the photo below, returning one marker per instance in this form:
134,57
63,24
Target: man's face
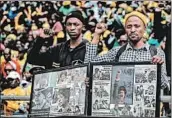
135,29
7,54
62,78
122,94
39,97
8,69
61,100
74,28
151,89
30,36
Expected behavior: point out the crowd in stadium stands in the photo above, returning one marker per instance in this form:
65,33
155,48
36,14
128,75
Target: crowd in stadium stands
21,22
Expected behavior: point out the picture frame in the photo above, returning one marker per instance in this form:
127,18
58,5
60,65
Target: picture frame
54,97
125,89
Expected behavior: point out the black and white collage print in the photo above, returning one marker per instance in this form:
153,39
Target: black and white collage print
101,90
60,92
42,93
145,90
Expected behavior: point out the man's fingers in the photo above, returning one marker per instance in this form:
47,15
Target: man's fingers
87,79
161,62
157,59
87,82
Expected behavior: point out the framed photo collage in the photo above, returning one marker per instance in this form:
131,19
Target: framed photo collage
115,89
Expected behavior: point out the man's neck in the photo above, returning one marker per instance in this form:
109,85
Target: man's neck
76,42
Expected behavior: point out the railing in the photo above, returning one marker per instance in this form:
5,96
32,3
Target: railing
163,98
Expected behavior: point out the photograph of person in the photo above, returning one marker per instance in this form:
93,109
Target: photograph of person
39,101
77,110
138,110
62,77
150,90
104,104
149,101
96,105
41,81
61,100
139,92
49,95
100,91
120,93
106,75
152,76
97,74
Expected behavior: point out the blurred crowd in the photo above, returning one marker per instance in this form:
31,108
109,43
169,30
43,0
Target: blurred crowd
21,22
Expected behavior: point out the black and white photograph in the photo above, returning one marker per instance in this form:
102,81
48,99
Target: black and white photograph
101,91
102,73
150,89
118,111
122,85
42,99
41,81
149,101
77,95
152,76
97,74
138,110
70,84
149,113
100,104
62,77
83,71
126,111
61,100
141,76
78,74
77,110
139,92
145,73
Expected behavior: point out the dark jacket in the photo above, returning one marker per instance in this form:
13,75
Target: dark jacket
59,54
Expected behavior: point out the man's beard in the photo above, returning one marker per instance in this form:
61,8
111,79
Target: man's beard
134,41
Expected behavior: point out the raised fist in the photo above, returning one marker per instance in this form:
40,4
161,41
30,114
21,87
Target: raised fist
45,33
118,75
100,28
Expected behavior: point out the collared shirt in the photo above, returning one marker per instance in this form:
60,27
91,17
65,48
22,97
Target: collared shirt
129,55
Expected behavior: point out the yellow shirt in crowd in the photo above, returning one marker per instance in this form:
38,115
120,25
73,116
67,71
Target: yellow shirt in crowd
12,106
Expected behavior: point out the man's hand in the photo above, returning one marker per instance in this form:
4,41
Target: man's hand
157,60
118,75
44,33
87,82
100,28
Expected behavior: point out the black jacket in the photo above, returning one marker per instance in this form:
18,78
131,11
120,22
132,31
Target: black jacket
59,54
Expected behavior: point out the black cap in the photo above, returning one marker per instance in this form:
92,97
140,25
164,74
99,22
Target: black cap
75,14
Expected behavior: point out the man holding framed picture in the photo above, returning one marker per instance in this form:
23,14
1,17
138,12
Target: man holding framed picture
135,50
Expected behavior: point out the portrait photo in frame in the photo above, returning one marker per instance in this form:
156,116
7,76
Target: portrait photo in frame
63,92
125,89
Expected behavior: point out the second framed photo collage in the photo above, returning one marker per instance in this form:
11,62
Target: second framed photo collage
115,89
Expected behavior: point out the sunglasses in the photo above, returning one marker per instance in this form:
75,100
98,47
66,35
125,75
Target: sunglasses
9,70
123,41
10,79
